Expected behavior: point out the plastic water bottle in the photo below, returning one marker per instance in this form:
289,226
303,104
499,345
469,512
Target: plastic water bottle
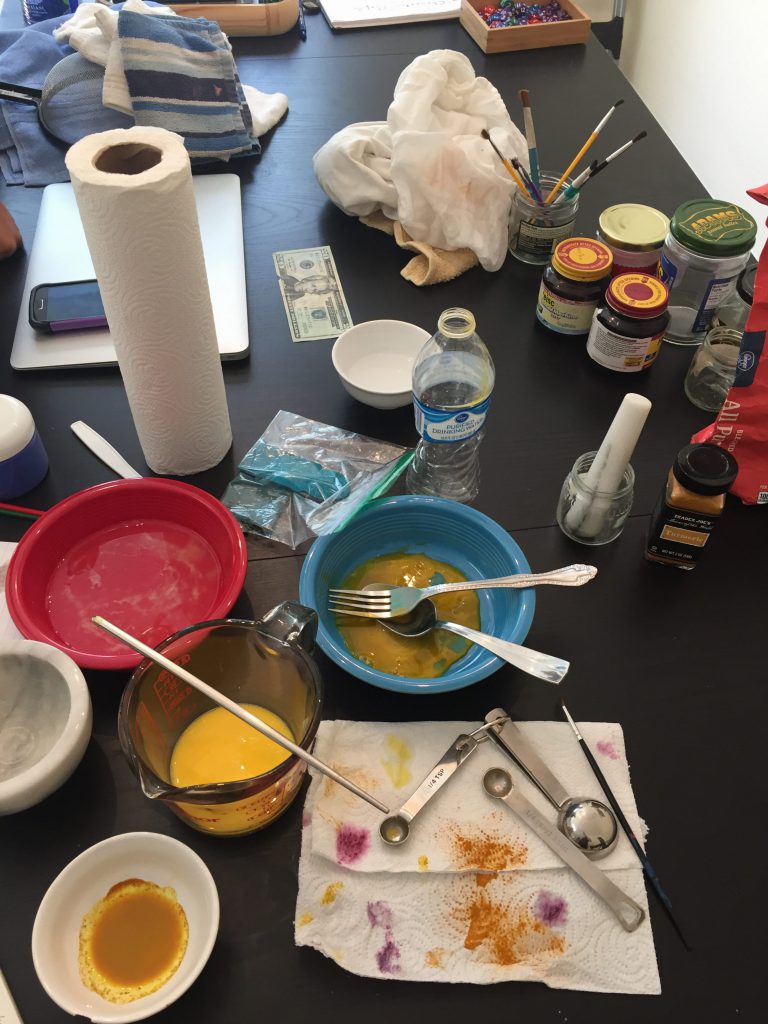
452,383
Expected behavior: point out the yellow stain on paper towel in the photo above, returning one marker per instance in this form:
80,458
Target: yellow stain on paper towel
305,919
423,862
331,892
396,765
434,957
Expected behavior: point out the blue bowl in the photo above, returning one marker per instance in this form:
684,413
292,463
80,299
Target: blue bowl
446,531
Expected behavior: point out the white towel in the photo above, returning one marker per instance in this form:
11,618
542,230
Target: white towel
427,166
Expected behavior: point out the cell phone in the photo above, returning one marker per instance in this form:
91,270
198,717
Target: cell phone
66,306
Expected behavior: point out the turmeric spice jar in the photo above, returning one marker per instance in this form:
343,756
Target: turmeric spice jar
690,505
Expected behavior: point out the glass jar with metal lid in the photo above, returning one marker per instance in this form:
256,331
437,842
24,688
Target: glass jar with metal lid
573,284
626,332
706,249
735,311
635,234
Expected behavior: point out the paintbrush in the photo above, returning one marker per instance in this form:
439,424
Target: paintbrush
648,871
583,150
21,511
507,165
534,192
530,137
595,168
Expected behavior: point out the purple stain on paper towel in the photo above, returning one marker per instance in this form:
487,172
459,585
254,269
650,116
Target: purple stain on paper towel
550,909
306,819
380,916
351,843
607,749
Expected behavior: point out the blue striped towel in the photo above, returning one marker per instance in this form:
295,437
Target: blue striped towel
181,76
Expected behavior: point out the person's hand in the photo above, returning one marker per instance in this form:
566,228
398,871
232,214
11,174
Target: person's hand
10,236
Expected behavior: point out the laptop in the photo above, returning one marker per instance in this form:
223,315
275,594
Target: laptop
60,253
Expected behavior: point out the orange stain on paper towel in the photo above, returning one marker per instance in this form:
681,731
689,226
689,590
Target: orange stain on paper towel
423,862
396,764
505,934
305,919
331,893
486,853
434,957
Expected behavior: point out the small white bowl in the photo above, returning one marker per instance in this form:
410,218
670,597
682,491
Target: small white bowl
45,722
375,361
56,932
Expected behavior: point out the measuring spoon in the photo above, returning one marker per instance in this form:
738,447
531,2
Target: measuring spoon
589,824
395,829
498,783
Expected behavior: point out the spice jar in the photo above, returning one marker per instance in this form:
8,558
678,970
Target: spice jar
713,369
573,284
735,312
690,505
635,235
536,228
706,249
626,332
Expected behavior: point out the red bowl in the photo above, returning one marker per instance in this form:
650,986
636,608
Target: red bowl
151,555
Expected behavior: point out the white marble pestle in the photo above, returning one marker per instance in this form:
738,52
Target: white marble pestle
587,515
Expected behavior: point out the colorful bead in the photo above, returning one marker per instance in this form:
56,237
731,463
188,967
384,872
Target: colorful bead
513,12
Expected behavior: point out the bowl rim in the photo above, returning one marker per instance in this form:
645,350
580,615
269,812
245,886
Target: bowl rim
75,732
18,608
57,889
344,335
409,684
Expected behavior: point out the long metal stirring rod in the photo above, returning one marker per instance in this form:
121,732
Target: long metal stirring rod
230,705
650,874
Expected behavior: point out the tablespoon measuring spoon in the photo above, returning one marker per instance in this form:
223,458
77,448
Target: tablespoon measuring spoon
423,619
588,823
498,784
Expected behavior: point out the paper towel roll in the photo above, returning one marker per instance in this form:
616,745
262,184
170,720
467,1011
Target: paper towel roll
134,192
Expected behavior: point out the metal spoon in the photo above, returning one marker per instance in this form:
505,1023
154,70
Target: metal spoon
587,823
424,618
498,784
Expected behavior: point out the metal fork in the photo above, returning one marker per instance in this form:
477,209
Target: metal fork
380,601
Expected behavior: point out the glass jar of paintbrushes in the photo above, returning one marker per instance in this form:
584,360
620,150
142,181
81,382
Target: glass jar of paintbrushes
535,225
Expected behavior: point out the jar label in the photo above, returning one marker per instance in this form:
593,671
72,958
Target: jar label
676,536
441,426
627,355
718,291
667,270
540,240
564,315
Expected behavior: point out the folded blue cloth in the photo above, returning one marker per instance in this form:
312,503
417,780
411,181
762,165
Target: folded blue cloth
181,76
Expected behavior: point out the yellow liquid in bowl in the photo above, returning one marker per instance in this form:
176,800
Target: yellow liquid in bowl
426,657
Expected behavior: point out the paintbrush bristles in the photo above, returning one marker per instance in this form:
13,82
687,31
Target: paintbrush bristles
525,97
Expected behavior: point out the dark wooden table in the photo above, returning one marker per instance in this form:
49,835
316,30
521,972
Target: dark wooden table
675,657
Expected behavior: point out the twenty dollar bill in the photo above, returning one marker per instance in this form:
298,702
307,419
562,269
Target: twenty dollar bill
312,294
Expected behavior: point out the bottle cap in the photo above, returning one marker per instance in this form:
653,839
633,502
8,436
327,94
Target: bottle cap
705,468
745,286
713,228
582,259
633,227
637,295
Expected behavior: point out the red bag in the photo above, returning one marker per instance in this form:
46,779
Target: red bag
741,426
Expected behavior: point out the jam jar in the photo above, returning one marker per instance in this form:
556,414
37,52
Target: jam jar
627,331
573,285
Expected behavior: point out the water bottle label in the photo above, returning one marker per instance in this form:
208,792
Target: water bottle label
437,425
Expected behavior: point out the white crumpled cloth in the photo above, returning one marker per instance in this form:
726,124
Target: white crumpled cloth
473,895
427,166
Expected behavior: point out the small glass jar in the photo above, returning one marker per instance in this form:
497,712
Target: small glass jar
635,235
590,516
536,228
573,285
713,368
707,247
735,312
626,332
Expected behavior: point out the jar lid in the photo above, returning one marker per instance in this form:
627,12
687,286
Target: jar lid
705,468
17,428
633,227
582,259
745,286
637,295
714,228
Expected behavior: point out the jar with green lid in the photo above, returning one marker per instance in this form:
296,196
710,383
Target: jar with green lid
635,235
626,332
573,285
707,247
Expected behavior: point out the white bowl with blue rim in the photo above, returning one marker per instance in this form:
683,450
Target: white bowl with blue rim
446,531
23,461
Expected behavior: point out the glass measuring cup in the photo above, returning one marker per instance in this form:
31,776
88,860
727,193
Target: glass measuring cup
266,663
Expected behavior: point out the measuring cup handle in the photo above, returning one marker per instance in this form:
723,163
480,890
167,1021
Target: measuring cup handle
291,622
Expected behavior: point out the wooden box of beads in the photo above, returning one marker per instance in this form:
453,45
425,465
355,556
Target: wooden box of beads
524,37
245,19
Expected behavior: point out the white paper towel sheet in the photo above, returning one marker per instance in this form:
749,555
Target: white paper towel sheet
134,193
473,896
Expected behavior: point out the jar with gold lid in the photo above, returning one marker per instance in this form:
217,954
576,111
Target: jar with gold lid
573,285
635,235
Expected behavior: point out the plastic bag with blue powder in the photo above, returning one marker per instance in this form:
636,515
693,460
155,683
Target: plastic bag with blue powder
303,478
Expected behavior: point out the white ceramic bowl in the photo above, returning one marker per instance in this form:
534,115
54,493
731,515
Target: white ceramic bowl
375,361
45,722
56,932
